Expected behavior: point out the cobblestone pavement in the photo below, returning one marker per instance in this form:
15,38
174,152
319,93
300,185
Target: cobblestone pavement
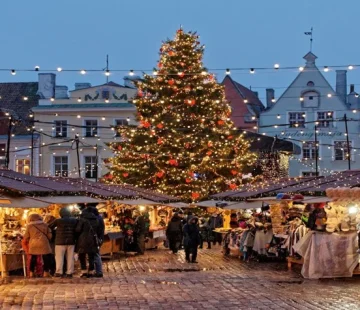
160,280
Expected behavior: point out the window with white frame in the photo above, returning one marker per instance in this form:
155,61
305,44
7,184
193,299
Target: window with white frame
91,129
120,122
340,150
91,168
325,119
296,119
310,150
60,129
22,166
61,166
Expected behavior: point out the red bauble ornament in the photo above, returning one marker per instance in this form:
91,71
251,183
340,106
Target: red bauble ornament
191,174
140,94
160,174
187,88
187,145
195,195
171,82
119,148
188,180
145,124
208,153
220,122
160,126
171,53
181,74
173,162
160,65
210,144
233,186
234,172
230,137
160,141
190,102
182,64
125,174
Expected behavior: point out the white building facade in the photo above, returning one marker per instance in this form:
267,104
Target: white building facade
311,114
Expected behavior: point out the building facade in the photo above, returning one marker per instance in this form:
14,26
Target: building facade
76,128
245,104
311,114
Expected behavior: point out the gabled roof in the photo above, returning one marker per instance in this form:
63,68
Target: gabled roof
245,93
111,83
12,101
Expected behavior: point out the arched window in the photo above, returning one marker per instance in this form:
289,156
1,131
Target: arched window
310,84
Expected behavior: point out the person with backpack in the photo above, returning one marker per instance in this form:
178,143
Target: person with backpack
37,237
174,233
88,242
65,241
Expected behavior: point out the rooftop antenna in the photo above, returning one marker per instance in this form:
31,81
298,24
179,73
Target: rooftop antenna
107,68
310,33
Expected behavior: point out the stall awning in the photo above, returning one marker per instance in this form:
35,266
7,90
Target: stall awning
68,199
243,205
177,205
24,202
139,202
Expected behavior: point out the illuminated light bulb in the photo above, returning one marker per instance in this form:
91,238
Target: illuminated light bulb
59,69
107,72
351,67
296,125
26,98
354,111
329,147
37,68
31,115
356,95
83,71
301,98
106,100
252,70
131,72
273,100
155,72
326,69
52,99
353,209
203,73
275,126
278,116
227,72
78,116
56,114
103,118
276,66
329,95
303,115
301,131
329,113
255,127
245,100
128,119
330,132
301,69
79,99
263,133
73,129
13,72
7,114
316,123
253,118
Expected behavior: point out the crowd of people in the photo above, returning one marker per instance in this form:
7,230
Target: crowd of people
190,232
53,243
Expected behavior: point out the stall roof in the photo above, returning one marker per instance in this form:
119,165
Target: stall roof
23,203
68,199
137,202
310,186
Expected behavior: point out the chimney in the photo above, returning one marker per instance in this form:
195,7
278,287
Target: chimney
352,88
129,80
270,96
46,85
341,84
61,92
82,85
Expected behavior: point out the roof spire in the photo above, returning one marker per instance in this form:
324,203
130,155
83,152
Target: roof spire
310,33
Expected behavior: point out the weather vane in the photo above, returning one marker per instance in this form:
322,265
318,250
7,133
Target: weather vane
310,33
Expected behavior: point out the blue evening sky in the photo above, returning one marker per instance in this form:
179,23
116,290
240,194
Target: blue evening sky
77,34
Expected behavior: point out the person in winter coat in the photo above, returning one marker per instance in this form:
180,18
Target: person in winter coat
191,239
65,241
216,221
49,219
38,236
205,233
88,230
98,261
174,233
142,225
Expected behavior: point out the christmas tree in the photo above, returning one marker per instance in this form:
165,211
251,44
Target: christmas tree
185,144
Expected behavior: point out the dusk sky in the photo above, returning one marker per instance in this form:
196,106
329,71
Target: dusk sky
76,34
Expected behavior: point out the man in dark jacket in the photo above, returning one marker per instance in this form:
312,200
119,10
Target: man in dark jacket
98,261
191,239
64,242
142,225
89,230
174,233
216,221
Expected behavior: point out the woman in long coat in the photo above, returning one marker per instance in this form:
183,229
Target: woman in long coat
37,236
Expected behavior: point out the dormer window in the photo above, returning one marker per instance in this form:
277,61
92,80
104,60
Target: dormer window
310,84
105,94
